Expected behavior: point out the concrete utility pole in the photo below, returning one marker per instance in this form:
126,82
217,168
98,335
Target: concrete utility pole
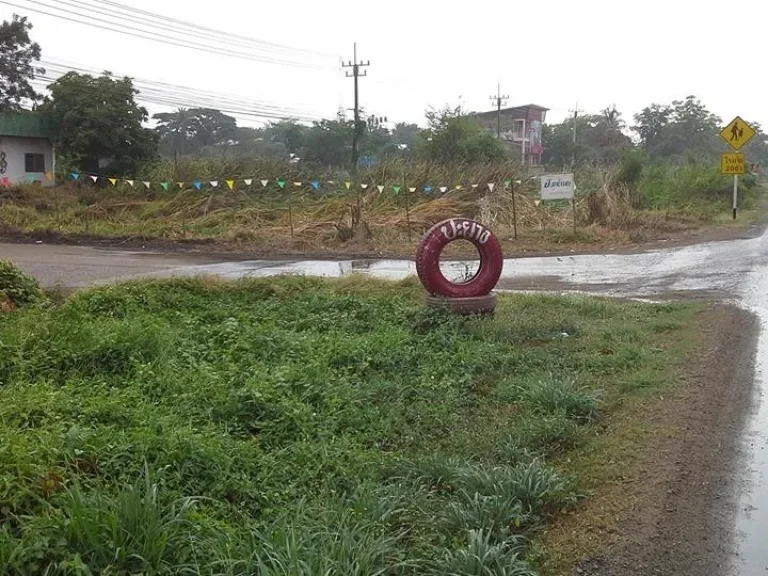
573,153
355,65
500,101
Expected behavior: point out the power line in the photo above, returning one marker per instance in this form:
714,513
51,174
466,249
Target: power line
148,35
211,99
185,29
130,9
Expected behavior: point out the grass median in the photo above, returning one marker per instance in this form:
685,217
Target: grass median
300,426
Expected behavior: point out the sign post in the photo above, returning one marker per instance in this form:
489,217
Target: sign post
560,187
737,134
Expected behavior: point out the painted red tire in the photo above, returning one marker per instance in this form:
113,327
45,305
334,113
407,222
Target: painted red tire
445,232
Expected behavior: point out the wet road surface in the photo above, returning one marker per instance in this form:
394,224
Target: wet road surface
735,271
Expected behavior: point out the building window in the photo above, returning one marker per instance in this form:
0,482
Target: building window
34,163
518,130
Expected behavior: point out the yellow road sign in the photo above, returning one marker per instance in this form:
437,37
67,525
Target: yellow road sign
733,164
737,133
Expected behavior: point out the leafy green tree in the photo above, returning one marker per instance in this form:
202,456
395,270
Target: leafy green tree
189,131
17,70
686,127
329,142
288,133
98,124
600,139
453,136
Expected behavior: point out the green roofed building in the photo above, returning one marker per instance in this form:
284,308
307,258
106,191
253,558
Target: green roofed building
26,149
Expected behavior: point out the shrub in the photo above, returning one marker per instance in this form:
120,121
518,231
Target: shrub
17,287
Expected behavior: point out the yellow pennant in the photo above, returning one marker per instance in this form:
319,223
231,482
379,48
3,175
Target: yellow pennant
113,181
231,184
48,176
347,184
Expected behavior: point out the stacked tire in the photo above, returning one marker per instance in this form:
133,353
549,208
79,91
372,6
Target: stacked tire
475,295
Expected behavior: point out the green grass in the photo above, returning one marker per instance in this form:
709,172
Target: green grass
297,426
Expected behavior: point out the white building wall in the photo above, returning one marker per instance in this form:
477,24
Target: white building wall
15,149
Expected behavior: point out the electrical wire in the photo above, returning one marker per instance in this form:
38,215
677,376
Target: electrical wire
218,98
181,24
148,35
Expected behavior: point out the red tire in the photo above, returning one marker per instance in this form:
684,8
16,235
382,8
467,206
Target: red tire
438,237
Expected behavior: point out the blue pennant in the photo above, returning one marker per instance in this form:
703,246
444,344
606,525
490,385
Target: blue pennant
75,176
428,189
198,185
316,184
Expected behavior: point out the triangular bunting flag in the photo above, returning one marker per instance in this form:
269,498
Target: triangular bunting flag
147,184
458,186
94,178
48,176
364,186
297,184
75,176
264,183
113,181
130,183
316,184
347,184
491,186
281,183
231,184
411,189
180,184
248,181
331,182
381,188
443,189
396,189
164,185
198,185
537,202
214,183
507,183
474,186
428,189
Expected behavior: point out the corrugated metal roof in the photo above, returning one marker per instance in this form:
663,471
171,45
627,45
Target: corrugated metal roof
24,125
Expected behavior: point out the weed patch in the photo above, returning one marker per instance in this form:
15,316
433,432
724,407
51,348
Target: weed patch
295,426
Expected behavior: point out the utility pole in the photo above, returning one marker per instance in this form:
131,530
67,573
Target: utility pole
355,65
500,101
573,153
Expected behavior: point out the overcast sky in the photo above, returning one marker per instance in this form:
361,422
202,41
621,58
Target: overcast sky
554,53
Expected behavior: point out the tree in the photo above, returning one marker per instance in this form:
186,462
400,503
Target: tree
98,125
189,131
685,127
17,70
600,139
453,136
329,142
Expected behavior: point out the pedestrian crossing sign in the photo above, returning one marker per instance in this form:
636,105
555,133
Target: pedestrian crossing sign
737,133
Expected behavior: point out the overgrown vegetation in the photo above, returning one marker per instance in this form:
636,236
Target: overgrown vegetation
296,426
18,288
637,200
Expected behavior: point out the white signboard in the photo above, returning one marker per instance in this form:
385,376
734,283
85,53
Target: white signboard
557,187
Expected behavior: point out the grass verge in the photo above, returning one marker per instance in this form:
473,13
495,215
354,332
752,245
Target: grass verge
299,426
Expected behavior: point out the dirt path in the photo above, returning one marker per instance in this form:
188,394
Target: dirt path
674,510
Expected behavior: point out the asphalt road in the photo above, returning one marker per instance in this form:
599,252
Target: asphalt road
734,271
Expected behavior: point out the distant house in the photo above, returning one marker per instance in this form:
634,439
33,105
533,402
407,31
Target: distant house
26,150
520,130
